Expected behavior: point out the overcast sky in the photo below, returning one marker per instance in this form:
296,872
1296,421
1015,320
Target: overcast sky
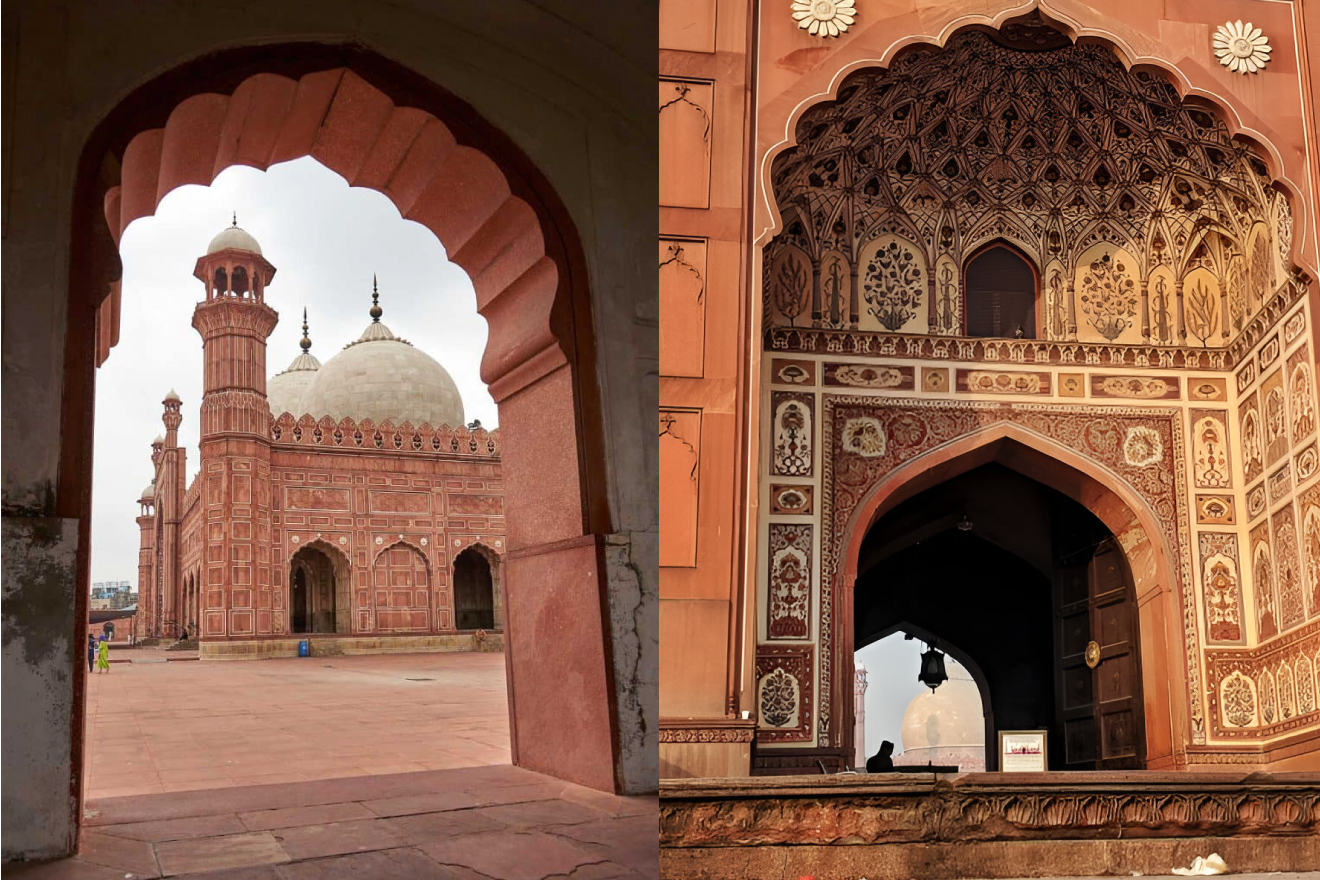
325,241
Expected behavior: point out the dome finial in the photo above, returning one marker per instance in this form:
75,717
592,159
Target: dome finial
306,342
376,310
235,218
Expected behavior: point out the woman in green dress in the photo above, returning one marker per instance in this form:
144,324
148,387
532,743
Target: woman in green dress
103,656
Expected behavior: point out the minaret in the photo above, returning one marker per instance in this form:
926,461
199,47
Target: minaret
147,620
235,322
171,482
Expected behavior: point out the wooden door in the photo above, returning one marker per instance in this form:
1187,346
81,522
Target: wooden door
1099,709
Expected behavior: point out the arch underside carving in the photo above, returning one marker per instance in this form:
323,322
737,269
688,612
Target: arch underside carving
1115,463
1056,151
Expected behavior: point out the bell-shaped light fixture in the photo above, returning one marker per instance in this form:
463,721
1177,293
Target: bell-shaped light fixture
932,673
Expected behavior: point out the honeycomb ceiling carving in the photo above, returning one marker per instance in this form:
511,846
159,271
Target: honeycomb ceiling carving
1052,147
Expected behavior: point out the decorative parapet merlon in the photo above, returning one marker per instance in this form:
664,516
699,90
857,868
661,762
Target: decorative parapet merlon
347,434
996,351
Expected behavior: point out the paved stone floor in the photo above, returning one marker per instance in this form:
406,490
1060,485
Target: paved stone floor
476,823
156,726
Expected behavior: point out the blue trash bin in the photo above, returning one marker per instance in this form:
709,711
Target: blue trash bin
304,648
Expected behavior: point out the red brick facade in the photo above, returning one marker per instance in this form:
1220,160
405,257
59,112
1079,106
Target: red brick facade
295,525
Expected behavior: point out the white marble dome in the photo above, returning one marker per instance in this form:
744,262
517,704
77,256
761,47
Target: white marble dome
947,726
381,377
234,238
285,390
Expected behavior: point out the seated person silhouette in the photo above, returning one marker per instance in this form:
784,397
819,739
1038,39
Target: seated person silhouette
881,761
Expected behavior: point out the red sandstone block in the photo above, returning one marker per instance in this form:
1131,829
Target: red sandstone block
252,121
357,113
192,137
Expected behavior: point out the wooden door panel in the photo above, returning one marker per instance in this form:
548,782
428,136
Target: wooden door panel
1079,741
1118,735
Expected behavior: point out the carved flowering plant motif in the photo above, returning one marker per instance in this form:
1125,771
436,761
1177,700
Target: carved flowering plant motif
892,287
1211,454
1240,47
865,436
1109,297
824,18
789,288
778,698
1142,447
1239,704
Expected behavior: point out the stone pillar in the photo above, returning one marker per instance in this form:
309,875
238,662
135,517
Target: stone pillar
1178,312
859,714
1145,310
932,307
815,294
1072,309
854,297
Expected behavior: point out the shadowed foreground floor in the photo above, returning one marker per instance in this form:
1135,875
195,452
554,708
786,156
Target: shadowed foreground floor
479,822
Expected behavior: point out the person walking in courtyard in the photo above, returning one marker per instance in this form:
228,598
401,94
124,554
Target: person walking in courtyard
103,656
91,651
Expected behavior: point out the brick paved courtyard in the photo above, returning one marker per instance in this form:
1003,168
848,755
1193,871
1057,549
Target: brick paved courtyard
182,725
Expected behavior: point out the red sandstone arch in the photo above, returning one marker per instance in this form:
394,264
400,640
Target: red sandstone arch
380,125
876,45
1153,563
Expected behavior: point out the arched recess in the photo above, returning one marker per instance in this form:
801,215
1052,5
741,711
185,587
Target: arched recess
490,561
967,662
876,46
400,589
333,566
380,125
975,281
1153,564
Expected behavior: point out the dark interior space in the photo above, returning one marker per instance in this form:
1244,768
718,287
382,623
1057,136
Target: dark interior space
986,563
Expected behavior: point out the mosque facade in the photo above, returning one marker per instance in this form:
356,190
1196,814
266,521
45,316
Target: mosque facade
348,503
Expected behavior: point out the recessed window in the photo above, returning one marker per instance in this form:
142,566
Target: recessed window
1001,295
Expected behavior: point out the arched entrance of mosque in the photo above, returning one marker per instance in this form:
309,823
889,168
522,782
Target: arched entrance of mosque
474,589
1026,583
318,590
1022,553
379,125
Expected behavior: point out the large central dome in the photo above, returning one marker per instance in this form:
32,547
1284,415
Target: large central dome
382,377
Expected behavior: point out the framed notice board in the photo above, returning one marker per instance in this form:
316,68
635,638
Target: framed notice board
1023,751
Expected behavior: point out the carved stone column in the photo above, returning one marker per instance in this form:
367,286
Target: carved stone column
1224,318
932,307
854,297
815,294
1072,309
1145,311
1178,308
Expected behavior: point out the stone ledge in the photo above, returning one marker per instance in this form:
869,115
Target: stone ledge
329,645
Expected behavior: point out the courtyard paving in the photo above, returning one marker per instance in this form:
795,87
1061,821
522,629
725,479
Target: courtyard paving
156,726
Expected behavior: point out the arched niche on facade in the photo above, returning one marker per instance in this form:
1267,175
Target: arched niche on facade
477,601
400,589
380,125
1145,547
1001,293
1031,171
1107,295
319,590
892,282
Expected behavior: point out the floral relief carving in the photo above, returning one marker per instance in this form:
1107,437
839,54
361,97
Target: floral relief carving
794,427
790,580
1276,428
784,693
1309,504
1240,47
1305,687
1267,710
824,18
1142,447
1202,311
1108,297
1263,579
1219,577
1253,445
1238,701
1284,680
789,286
1300,401
1210,452
1292,609
892,285
864,436
1136,387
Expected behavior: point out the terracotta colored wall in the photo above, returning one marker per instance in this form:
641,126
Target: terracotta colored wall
704,124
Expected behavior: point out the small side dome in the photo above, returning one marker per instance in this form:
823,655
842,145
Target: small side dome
149,493
159,441
234,238
284,391
172,397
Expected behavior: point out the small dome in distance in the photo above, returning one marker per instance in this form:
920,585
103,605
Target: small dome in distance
149,493
172,397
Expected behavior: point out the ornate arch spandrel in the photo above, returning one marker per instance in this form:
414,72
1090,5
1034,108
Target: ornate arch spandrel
1139,502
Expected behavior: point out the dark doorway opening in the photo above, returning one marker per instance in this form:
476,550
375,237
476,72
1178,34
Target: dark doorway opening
1001,294
474,591
1021,579
318,592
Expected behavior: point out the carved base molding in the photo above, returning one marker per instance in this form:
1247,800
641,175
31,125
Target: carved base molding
859,809
706,730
